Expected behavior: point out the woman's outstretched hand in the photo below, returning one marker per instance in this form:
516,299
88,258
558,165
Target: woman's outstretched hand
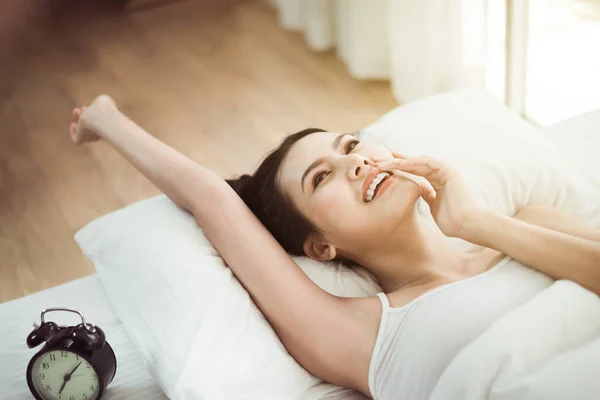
86,120
450,201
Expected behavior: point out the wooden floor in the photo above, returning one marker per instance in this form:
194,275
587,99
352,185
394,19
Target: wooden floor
219,81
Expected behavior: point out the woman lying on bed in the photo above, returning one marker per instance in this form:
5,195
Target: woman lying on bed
330,196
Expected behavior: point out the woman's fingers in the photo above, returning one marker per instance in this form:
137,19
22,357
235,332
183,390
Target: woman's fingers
420,165
427,191
431,169
398,155
378,159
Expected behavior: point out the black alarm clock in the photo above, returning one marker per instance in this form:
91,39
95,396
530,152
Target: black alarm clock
76,363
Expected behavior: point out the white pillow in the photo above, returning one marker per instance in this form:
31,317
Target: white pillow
579,139
181,306
199,331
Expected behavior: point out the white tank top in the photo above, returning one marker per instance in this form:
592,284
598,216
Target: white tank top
417,341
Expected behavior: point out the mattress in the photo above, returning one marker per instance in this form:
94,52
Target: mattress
132,380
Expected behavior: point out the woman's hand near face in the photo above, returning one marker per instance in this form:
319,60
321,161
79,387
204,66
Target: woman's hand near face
528,238
449,199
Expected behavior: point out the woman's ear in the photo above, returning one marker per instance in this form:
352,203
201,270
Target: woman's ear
319,250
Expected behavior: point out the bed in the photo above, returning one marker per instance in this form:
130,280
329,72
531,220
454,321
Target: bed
579,138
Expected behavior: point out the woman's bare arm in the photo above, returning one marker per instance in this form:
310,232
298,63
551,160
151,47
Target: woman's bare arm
552,218
558,254
323,332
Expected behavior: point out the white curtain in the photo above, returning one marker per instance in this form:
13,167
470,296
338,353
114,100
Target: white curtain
422,46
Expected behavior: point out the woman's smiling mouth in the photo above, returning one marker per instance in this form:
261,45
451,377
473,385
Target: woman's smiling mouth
373,184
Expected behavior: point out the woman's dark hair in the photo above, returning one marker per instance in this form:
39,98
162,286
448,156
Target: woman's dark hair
262,194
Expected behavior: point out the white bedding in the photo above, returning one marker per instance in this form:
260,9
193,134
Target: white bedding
549,348
132,380
579,139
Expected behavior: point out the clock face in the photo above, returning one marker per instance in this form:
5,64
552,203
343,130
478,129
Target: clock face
64,375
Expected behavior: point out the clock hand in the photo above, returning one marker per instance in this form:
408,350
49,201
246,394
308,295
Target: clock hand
62,387
73,371
67,378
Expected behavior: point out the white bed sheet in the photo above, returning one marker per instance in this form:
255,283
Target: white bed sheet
132,380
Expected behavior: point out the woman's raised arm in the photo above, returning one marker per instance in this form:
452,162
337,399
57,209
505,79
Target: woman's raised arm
324,333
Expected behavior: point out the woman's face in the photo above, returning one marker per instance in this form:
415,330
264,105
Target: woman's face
328,176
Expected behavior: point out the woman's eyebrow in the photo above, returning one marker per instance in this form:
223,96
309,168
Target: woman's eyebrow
334,145
336,141
312,166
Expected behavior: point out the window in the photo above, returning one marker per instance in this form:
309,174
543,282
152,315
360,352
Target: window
543,56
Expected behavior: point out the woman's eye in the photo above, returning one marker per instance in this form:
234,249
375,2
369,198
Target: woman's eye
319,177
350,146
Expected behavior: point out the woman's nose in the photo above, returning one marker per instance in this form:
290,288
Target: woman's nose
359,166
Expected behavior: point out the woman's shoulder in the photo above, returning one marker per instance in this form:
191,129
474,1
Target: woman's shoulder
369,309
